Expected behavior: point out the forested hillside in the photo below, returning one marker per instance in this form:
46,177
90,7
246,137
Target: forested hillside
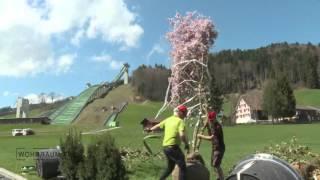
241,70
237,71
151,82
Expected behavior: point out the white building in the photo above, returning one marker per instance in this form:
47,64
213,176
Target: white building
22,108
249,108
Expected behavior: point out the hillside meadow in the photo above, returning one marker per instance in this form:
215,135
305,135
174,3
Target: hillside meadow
240,140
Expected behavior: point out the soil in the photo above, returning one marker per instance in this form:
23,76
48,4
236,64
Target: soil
195,168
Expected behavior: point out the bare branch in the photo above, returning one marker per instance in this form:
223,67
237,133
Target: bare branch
165,104
188,62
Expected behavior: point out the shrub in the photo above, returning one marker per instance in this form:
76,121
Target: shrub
71,154
291,151
299,156
109,163
103,161
88,169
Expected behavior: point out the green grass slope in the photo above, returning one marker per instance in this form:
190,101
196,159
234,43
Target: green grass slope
304,97
240,140
73,108
93,113
307,97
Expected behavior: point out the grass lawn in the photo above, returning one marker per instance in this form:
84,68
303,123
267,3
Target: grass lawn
240,140
308,97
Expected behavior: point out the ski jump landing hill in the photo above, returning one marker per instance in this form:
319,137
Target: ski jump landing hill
69,112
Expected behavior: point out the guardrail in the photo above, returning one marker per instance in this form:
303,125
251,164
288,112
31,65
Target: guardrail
40,120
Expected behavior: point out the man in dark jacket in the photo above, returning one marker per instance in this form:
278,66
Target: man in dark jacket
215,135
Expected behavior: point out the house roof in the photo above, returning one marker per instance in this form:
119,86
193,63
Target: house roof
253,99
298,107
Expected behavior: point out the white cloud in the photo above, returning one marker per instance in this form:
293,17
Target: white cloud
9,93
110,19
6,93
107,59
33,98
36,99
24,52
114,22
64,63
155,49
77,37
28,26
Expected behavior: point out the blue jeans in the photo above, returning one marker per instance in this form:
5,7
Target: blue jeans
174,156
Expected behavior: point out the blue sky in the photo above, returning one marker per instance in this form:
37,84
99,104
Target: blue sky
58,46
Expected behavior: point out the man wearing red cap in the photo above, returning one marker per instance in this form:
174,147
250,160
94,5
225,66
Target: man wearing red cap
174,133
218,147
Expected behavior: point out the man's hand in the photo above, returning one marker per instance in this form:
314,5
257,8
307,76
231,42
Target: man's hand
200,136
148,130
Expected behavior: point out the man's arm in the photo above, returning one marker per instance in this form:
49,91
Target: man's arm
205,137
184,139
155,127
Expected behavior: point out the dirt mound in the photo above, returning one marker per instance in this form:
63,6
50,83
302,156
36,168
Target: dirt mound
96,112
195,168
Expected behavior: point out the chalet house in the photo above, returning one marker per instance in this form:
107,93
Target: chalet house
249,110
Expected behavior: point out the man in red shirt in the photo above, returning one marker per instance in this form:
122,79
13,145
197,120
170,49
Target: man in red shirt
215,135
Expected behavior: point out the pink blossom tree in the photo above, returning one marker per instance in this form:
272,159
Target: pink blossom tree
191,38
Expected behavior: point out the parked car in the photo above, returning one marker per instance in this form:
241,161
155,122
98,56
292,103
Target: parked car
22,132
27,131
17,132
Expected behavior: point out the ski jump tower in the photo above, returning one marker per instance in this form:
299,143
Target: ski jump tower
69,112
123,72
126,73
22,108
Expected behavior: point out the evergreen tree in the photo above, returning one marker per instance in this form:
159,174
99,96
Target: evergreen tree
109,163
88,169
278,98
215,100
312,77
71,154
288,101
271,102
